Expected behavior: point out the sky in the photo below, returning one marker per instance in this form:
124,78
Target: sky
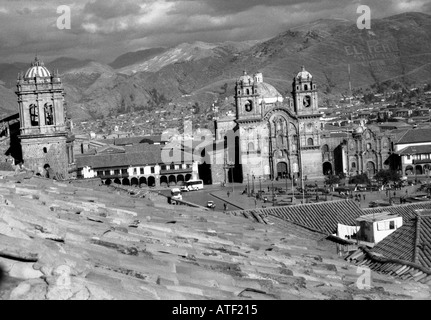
104,29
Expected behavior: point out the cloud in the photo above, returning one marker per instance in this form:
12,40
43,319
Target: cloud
108,9
104,29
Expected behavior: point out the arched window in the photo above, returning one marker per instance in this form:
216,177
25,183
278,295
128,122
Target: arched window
310,142
305,87
353,165
325,148
248,92
249,106
49,117
250,147
368,146
34,115
45,150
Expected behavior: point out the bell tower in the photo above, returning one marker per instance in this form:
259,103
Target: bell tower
246,98
305,94
44,134
307,110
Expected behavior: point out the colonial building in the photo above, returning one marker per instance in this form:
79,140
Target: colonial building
272,136
44,135
138,164
361,150
414,148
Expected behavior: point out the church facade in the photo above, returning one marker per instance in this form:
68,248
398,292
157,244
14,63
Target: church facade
274,136
44,135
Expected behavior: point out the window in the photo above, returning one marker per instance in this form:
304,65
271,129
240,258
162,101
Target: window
325,148
152,170
368,146
172,167
310,142
123,171
135,170
408,157
163,167
100,173
248,92
34,115
117,171
142,171
107,172
391,225
250,147
49,118
305,87
44,150
248,106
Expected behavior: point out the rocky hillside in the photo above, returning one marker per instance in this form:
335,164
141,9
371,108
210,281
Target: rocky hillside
60,241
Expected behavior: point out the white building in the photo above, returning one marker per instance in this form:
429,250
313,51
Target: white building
373,228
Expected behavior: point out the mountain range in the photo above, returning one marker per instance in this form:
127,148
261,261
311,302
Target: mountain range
396,49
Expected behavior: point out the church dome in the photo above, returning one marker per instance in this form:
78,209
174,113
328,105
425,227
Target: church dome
304,75
268,93
246,79
37,69
358,130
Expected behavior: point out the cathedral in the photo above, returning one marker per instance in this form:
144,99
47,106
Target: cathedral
44,135
275,137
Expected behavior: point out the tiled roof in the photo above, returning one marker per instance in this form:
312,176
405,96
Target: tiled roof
133,140
141,156
108,245
323,217
416,149
416,136
406,253
400,244
407,211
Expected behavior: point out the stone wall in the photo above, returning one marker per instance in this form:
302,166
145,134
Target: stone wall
35,156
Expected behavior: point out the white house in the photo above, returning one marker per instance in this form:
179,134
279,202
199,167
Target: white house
374,228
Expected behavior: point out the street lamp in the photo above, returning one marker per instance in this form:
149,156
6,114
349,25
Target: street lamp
252,183
248,184
260,184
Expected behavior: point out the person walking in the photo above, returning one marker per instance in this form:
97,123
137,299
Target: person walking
225,206
228,194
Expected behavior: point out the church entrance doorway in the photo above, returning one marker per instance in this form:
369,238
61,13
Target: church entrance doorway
371,169
282,170
327,168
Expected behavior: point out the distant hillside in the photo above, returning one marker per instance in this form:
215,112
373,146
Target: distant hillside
132,58
187,52
8,102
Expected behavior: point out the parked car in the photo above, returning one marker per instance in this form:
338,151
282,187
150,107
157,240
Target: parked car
374,204
211,204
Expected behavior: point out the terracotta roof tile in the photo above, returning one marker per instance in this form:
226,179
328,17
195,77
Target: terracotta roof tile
323,217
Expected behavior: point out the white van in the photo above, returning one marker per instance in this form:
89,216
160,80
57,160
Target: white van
195,185
176,194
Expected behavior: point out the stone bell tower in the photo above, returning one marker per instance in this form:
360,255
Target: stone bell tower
44,134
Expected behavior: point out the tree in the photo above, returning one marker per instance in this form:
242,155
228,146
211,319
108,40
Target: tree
332,179
359,179
385,176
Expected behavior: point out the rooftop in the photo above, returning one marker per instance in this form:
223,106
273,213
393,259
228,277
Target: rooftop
416,136
64,241
379,216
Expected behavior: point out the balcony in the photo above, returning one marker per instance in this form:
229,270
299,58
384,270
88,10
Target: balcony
423,161
176,171
113,176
